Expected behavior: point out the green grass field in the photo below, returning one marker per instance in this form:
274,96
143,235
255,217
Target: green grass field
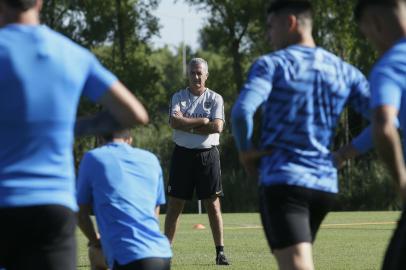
347,240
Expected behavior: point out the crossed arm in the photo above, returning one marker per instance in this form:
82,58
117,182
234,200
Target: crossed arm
201,125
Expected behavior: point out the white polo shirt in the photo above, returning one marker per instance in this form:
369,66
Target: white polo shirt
209,105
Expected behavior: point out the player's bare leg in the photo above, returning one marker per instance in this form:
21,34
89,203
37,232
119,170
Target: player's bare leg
216,224
296,257
174,209
216,220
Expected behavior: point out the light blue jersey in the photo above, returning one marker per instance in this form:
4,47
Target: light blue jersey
303,91
388,83
42,76
124,185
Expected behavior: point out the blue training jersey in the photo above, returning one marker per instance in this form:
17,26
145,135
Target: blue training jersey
42,76
303,90
124,185
388,84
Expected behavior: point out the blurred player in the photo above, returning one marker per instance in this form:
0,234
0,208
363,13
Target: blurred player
42,76
124,187
303,89
383,22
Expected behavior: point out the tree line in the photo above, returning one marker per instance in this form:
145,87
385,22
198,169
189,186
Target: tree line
119,32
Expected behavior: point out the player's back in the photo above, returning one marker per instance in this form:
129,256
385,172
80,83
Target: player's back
310,88
127,185
42,75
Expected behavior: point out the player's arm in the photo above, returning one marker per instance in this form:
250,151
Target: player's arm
157,211
358,146
388,144
254,93
343,154
359,100
387,88
124,110
160,192
84,198
124,106
86,225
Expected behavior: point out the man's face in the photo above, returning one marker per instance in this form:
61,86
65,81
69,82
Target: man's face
278,29
197,76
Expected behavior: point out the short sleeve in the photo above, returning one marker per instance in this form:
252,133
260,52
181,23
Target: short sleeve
360,95
218,108
98,81
84,185
255,92
174,105
386,90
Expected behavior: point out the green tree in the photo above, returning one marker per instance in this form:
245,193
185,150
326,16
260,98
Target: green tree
232,30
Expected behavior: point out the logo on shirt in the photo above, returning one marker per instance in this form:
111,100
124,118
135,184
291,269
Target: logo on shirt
207,104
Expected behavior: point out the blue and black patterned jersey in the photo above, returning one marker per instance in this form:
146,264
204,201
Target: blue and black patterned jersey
303,91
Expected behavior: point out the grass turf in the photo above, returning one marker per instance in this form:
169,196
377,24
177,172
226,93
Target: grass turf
347,240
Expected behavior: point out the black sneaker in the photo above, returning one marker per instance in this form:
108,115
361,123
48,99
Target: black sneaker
221,259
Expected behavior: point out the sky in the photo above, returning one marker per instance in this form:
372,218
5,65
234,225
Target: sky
170,16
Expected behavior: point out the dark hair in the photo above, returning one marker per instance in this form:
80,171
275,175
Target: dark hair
122,134
362,4
296,6
20,4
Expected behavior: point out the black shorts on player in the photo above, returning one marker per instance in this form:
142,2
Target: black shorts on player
395,257
292,215
38,237
145,264
195,169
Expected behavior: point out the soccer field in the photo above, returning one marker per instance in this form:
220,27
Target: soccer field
347,240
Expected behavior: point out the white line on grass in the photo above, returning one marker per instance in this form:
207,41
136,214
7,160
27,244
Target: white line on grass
323,225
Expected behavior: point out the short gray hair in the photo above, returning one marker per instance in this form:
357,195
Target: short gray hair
198,61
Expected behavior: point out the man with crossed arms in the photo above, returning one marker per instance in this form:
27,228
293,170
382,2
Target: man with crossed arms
197,118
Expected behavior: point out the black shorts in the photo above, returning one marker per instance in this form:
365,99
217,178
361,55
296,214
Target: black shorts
291,214
146,264
37,237
195,169
395,257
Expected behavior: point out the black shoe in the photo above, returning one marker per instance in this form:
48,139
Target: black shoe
221,259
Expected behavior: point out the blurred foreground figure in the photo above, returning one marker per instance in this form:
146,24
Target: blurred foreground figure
302,89
383,22
42,76
124,187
